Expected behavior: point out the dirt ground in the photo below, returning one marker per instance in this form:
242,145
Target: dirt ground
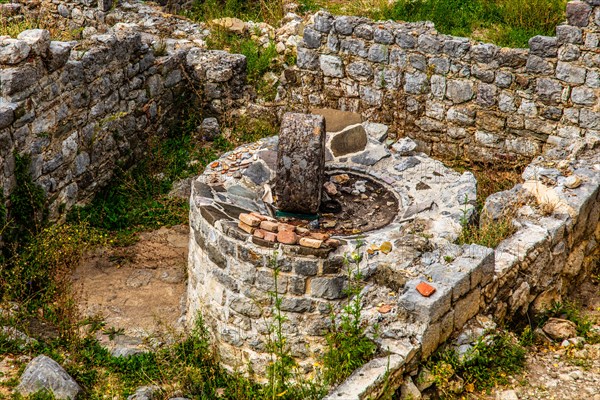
138,290
554,372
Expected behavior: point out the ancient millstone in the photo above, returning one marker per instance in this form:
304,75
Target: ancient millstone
350,140
43,373
300,163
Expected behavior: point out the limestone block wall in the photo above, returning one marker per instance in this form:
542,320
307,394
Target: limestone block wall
458,98
80,109
549,255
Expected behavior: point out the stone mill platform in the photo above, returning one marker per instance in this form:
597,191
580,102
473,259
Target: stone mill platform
231,265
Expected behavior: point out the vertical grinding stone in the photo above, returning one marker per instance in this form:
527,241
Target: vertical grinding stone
300,163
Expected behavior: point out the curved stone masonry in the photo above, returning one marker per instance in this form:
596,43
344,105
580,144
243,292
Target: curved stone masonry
231,271
458,98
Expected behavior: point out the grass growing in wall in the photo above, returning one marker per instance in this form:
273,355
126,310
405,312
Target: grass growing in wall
11,26
490,180
347,346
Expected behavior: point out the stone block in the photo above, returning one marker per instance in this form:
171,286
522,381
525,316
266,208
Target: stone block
245,307
484,53
13,51
345,25
296,304
323,22
45,374
351,140
360,71
37,39
329,288
544,46
426,309
331,66
578,13
265,280
312,38
378,53
364,31
459,90
466,308
307,59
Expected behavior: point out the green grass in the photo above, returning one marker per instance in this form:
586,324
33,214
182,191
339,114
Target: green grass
270,11
505,22
508,23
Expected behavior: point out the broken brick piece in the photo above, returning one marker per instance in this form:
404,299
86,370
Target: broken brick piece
320,236
310,242
259,233
270,236
302,231
250,220
286,227
246,228
333,243
269,226
287,237
425,289
385,308
259,216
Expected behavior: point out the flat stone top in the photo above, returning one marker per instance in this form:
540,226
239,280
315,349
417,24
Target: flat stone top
336,120
426,190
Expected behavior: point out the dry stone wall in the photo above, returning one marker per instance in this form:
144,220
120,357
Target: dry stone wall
458,98
79,109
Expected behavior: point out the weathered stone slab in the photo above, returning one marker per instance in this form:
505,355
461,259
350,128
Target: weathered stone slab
336,120
350,140
300,163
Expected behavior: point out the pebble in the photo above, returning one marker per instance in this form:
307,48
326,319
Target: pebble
573,182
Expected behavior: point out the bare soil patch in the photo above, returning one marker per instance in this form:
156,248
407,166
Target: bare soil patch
138,290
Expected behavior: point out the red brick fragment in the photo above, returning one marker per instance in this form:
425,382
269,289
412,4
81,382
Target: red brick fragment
269,226
250,220
246,227
259,233
425,289
259,216
287,237
320,236
270,236
310,242
286,227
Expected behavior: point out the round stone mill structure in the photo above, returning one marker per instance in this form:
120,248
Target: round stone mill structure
299,203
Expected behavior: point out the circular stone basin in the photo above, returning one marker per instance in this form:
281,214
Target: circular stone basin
358,204
231,269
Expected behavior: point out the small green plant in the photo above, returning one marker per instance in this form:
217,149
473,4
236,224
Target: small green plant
160,48
487,364
347,346
282,363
